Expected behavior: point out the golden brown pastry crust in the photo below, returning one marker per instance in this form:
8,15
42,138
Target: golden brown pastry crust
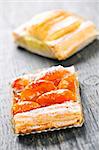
55,34
51,117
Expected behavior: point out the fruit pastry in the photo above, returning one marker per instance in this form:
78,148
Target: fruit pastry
55,34
46,100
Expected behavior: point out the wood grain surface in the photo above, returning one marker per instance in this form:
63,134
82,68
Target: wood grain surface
14,62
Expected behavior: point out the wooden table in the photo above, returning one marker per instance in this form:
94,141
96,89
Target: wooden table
14,62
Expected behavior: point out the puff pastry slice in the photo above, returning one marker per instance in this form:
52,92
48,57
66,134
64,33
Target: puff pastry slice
47,100
55,34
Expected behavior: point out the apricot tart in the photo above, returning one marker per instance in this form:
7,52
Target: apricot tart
46,100
55,34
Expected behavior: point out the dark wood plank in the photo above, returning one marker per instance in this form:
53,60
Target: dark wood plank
14,62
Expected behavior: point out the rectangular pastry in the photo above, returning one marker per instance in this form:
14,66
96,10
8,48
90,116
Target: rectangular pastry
46,100
55,34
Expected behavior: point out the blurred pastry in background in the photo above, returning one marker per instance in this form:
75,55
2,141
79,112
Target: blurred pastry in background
56,34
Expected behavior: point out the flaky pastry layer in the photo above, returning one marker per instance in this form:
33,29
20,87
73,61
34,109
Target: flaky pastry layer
55,116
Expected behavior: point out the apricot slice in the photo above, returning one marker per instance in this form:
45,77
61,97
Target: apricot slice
19,84
68,82
35,89
55,74
24,106
56,97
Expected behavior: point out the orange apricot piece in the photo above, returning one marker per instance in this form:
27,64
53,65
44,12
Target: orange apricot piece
68,82
54,75
35,89
19,84
56,97
24,106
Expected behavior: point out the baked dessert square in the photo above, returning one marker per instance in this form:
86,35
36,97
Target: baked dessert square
46,100
56,34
